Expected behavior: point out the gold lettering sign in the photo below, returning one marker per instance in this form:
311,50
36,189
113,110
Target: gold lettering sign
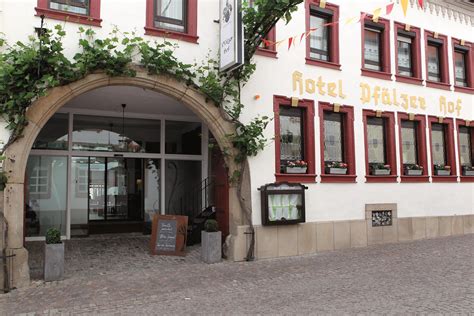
374,95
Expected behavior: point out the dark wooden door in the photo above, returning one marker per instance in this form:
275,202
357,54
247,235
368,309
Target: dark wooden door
221,190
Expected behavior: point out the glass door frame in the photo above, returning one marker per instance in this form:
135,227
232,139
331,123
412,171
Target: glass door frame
203,158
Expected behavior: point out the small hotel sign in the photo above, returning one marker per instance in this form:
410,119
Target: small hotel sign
231,35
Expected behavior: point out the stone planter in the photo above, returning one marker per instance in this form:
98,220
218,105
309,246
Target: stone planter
469,173
381,172
336,170
53,262
296,169
442,172
413,172
211,246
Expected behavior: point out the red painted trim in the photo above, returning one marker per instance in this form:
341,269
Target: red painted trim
438,85
333,62
416,55
335,178
376,74
270,50
92,19
444,83
389,118
308,128
459,123
450,156
410,80
349,146
295,178
469,67
421,148
191,24
385,73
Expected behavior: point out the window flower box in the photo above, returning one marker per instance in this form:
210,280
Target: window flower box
413,172
442,170
336,170
296,169
335,167
379,169
468,171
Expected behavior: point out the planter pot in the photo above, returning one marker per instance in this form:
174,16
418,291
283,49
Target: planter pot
53,262
442,172
413,172
211,247
296,169
381,172
336,170
468,173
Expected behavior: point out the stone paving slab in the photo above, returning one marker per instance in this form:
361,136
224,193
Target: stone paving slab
429,276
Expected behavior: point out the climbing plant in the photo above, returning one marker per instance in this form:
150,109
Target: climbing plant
28,70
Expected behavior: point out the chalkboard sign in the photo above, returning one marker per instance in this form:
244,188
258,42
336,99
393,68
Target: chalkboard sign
168,235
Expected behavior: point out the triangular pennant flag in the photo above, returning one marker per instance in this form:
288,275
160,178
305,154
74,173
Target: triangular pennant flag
376,14
404,4
420,2
278,43
389,8
290,41
301,37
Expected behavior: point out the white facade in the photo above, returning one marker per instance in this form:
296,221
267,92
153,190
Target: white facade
324,201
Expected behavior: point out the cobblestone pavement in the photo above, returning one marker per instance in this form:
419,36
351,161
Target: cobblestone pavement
117,276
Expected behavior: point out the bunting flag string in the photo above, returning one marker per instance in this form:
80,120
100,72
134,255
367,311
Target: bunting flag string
375,16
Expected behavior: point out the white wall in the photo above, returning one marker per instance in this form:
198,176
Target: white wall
274,77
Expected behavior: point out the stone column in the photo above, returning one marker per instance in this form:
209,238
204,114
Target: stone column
13,210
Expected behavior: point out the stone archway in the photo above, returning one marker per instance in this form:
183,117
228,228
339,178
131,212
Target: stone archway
44,108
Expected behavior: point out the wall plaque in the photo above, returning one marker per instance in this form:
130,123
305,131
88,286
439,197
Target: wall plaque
168,236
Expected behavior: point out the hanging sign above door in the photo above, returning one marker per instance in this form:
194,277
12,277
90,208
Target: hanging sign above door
231,43
168,235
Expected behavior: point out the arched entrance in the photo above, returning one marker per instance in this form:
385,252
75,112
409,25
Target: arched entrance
44,108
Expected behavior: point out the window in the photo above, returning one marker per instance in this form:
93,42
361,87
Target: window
466,149
39,181
376,48
322,44
76,11
463,72
294,140
268,49
170,15
405,55
407,43
442,150
436,61
54,135
175,19
460,68
337,143
380,146
413,166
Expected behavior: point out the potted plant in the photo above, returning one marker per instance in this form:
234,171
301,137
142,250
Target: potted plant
413,169
442,170
53,256
335,167
211,242
468,170
379,169
298,166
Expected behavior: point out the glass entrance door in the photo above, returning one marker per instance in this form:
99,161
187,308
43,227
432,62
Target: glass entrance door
115,189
